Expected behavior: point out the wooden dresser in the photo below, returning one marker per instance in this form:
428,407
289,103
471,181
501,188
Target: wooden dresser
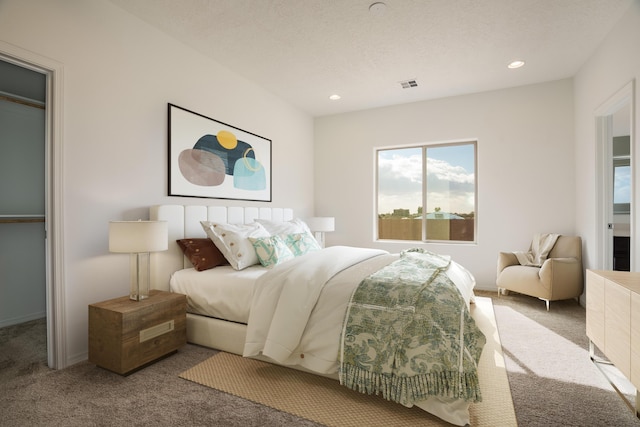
613,320
125,335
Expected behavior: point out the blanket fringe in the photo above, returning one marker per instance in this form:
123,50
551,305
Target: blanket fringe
407,390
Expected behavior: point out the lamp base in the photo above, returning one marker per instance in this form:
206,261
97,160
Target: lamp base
319,235
137,297
140,272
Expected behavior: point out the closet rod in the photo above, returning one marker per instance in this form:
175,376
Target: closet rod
4,96
7,219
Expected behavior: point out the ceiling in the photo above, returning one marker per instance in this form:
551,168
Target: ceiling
303,51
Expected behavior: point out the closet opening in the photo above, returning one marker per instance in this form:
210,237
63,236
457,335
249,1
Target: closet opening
31,196
23,306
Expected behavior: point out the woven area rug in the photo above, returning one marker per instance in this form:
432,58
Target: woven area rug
324,401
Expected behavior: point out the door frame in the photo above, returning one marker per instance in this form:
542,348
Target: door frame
604,176
54,248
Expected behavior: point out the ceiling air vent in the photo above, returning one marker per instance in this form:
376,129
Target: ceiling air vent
406,84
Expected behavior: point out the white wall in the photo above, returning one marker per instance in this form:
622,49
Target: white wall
525,169
119,75
613,65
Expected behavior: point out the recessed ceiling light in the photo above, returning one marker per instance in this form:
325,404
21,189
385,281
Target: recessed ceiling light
334,97
516,64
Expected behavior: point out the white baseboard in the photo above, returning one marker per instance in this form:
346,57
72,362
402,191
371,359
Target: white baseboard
21,319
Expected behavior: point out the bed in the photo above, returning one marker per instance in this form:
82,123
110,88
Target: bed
265,313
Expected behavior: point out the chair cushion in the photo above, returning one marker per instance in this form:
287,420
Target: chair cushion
523,279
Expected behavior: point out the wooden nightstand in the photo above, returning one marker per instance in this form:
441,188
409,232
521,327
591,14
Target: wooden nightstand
125,335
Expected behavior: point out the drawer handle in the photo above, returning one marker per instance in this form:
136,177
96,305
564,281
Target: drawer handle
156,331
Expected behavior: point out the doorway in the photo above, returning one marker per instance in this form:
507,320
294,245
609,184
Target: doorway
53,218
22,195
615,187
22,202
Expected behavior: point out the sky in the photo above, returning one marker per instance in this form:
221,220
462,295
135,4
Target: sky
622,184
450,179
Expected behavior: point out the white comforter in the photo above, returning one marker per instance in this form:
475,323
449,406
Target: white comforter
298,309
296,315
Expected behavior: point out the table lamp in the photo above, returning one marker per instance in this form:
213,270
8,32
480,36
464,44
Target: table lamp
320,225
138,238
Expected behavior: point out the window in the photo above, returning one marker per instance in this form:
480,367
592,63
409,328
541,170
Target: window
427,192
621,175
621,186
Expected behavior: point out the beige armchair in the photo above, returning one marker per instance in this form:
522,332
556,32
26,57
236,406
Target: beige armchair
560,276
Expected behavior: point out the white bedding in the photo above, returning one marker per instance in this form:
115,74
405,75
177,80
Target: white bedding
314,291
225,293
221,292
297,312
318,288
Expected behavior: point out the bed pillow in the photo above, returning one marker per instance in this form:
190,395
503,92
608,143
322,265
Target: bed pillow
301,243
202,253
271,250
233,241
287,227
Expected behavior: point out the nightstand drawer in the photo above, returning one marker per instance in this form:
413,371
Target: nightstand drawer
125,335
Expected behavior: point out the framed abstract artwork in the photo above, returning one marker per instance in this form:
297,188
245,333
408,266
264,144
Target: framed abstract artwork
208,158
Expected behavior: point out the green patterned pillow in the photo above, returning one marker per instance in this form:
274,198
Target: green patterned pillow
271,251
301,243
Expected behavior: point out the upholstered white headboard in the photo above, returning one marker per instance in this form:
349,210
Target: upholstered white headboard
184,222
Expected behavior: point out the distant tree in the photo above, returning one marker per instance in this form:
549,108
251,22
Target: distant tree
469,215
401,212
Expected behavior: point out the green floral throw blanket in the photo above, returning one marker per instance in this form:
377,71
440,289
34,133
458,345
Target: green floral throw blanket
408,334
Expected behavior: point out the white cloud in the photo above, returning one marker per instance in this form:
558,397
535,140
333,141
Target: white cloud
400,184
446,172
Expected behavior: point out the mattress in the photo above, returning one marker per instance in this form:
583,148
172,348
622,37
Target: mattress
221,292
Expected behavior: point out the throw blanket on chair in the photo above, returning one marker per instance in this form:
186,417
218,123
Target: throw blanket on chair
541,245
408,334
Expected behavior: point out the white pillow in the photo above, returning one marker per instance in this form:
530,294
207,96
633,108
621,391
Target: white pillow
233,241
288,227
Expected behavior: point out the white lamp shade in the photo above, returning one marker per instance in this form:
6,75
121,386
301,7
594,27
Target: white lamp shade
138,236
320,223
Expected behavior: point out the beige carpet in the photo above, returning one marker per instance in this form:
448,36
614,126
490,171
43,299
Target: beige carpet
323,400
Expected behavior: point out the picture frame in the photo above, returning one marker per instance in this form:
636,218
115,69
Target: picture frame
212,159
